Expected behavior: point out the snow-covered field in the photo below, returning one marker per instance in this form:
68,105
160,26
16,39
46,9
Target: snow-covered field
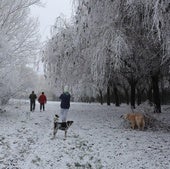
98,139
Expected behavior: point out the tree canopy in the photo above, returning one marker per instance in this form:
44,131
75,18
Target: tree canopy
126,37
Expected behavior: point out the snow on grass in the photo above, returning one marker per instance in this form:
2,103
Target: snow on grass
98,139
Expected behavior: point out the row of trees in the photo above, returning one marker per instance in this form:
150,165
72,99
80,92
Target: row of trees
113,46
19,43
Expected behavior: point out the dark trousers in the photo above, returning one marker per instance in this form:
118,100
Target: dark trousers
32,105
42,106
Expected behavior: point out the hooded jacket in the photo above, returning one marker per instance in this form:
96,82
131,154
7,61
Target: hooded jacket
42,99
65,100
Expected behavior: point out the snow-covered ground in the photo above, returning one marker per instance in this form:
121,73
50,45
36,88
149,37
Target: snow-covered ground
98,139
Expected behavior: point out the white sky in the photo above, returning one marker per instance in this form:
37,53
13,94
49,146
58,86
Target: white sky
48,14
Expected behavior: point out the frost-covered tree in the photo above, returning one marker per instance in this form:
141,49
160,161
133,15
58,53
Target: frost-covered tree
58,55
147,30
128,35
18,40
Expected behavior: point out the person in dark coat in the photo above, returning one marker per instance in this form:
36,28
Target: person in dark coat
65,104
42,100
32,98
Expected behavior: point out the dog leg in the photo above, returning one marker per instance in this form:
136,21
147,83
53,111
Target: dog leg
138,124
65,134
143,124
133,125
54,132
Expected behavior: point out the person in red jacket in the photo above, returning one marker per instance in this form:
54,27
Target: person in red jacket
42,100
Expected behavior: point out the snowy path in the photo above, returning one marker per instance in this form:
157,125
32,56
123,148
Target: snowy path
97,140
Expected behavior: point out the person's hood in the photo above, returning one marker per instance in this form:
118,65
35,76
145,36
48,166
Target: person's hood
66,89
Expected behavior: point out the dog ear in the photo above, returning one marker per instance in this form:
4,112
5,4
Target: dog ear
56,115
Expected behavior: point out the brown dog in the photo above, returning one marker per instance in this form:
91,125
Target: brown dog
136,119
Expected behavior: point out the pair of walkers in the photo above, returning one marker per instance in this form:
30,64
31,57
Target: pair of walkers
42,99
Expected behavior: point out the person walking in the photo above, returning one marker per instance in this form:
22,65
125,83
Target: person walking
32,98
65,104
42,100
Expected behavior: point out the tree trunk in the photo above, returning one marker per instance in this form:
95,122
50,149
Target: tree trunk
116,96
101,97
156,94
132,101
126,95
139,97
108,96
163,93
149,95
